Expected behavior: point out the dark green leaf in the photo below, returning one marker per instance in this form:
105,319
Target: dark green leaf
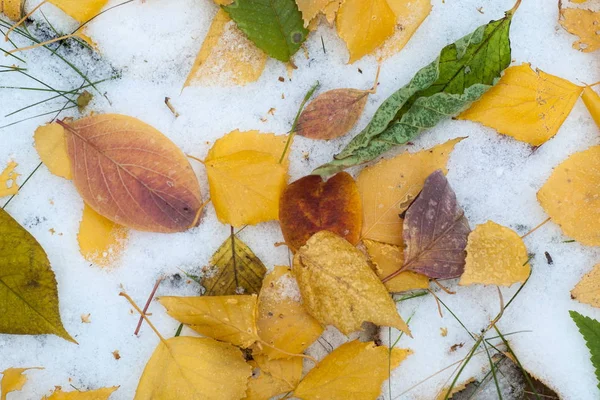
590,330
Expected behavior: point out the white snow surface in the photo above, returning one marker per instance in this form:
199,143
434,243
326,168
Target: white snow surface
153,45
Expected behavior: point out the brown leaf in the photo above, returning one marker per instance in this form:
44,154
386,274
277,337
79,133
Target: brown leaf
310,205
132,174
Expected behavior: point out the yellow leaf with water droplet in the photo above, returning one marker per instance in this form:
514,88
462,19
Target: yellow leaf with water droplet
80,10
98,394
51,146
13,380
582,23
8,180
101,241
588,289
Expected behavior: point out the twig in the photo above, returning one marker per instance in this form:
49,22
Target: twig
130,300
536,228
139,325
170,106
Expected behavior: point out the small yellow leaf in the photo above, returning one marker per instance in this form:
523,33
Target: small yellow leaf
230,319
331,10
582,23
101,241
588,289
570,196
227,56
80,10
339,287
496,255
353,371
273,377
389,259
592,103
388,187
283,322
310,9
245,177
99,394
13,9
525,104
51,146
8,180
13,380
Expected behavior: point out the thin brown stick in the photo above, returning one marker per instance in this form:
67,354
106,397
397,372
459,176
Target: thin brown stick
130,300
438,303
195,158
197,217
139,325
536,228
35,46
373,90
15,26
170,106
444,288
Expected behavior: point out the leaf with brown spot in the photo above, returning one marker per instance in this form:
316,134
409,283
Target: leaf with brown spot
132,174
310,205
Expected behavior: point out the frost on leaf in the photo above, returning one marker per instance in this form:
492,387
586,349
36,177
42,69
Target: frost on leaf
101,241
588,289
8,180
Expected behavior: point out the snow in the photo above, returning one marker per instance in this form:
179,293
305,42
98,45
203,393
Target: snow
152,46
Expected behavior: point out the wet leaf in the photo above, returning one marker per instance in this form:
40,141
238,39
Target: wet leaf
28,292
229,319
13,380
51,146
82,11
246,178
273,377
339,287
496,255
353,371
310,205
132,174
8,180
101,241
283,321
98,394
582,23
590,330
218,371
525,104
588,289
570,196
13,9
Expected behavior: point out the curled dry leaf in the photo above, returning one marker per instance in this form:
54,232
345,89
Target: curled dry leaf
98,394
273,377
353,371
582,23
82,11
101,241
8,180
588,289
310,205
570,196
496,255
229,319
525,104
13,9
132,174
51,146
13,380
339,287
218,371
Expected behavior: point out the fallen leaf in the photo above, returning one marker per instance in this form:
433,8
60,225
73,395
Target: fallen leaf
8,180
98,394
588,289
101,241
51,145
582,23
273,377
310,205
116,355
82,11
592,103
13,9
85,318
310,9
85,97
132,174
570,196
28,292
13,380
283,321
229,319
194,368
235,269
459,389
353,371
246,178
525,104
226,57
390,186
388,259
339,287
590,330
496,255
331,10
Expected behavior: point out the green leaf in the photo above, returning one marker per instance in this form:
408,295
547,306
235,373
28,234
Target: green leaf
461,74
590,330
275,26
28,293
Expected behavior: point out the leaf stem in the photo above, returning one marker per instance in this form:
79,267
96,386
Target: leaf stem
139,325
536,228
130,300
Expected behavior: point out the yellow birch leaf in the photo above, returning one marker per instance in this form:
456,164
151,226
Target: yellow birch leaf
353,371
591,99
13,380
389,187
389,259
496,255
80,10
459,387
588,289
51,145
570,196
331,10
13,9
364,25
245,177
101,241
98,394
283,322
8,180
339,287
310,9
229,319
525,104
582,23
273,377
194,368
227,56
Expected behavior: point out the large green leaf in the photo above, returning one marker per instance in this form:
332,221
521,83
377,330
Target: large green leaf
28,293
590,329
463,72
275,26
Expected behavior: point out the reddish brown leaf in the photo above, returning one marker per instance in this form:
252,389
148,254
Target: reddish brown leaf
132,174
310,205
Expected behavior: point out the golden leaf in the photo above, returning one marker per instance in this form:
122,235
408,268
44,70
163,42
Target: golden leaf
13,9
229,319
582,23
570,196
592,103
310,9
388,187
331,10
283,322
525,104
246,178
98,394
80,10
588,289
353,371
227,56
455,390
132,174
339,287
273,377
496,255
8,180
101,241
194,368
13,380
51,146
389,259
